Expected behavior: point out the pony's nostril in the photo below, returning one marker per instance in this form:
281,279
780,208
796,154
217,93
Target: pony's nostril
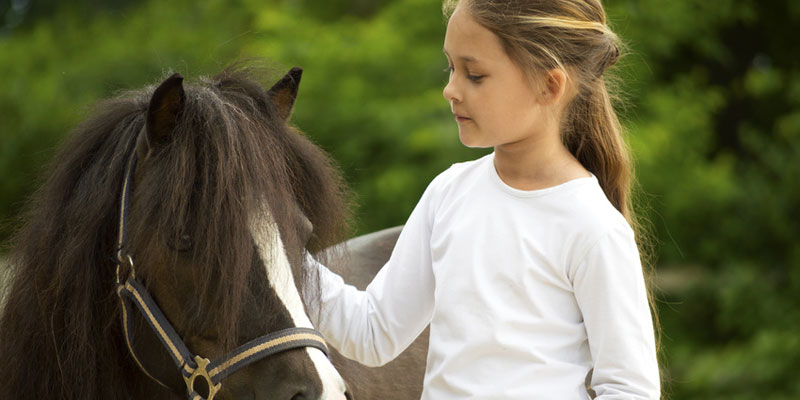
348,396
314,396
307,395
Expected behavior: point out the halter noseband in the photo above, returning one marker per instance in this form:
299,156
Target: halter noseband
191,366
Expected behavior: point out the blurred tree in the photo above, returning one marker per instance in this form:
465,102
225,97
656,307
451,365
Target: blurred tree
717,135
19,14
335,9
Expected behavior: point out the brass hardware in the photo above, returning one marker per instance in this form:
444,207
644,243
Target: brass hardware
132,269
202,370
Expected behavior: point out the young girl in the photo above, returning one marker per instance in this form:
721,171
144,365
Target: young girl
524,261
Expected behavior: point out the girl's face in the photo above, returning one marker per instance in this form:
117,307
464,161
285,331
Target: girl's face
492,98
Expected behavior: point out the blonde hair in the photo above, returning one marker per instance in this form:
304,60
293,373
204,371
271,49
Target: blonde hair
572,35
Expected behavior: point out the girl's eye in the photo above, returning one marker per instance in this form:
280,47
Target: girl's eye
474,78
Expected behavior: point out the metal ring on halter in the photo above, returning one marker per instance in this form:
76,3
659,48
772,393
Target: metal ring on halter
130,265
202,371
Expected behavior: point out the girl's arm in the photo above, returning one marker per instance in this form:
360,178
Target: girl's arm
374,326
610,290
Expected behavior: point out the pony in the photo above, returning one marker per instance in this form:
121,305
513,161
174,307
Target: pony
226,200
222,208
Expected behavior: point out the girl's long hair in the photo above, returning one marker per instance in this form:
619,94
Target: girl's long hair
573,35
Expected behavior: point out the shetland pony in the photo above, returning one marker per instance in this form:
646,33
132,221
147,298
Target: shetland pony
227,198
223,200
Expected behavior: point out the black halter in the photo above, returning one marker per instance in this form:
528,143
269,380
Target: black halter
190,365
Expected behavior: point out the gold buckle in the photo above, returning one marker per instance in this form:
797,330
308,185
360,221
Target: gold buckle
202,370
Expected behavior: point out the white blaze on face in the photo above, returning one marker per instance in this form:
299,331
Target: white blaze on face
281,278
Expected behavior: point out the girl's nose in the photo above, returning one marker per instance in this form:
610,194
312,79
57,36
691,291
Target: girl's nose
450,92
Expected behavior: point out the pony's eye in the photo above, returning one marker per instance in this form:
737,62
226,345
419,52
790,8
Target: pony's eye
181,243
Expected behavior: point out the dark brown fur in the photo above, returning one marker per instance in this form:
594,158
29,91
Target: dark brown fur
60,335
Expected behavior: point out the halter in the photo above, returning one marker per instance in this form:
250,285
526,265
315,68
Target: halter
191,366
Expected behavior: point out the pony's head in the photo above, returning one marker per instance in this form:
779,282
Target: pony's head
224,198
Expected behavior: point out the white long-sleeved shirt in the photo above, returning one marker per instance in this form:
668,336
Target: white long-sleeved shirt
525,292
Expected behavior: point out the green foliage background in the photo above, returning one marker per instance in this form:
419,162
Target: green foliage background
712,111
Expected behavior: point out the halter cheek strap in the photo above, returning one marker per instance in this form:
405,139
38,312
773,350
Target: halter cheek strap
132,294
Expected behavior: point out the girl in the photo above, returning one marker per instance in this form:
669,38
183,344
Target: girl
523,262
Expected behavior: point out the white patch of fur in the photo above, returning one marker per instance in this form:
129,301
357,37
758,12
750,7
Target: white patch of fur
280,276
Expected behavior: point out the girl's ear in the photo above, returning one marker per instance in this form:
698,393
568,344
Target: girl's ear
284,92
162,114
554,86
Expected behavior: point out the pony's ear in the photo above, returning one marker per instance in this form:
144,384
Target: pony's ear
162,113
284,92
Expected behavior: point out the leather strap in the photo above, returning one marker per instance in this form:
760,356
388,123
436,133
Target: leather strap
132,293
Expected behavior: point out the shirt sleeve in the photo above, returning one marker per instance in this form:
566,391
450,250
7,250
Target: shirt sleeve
610,291
374,326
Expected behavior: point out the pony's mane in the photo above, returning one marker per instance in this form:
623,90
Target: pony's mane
230,156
